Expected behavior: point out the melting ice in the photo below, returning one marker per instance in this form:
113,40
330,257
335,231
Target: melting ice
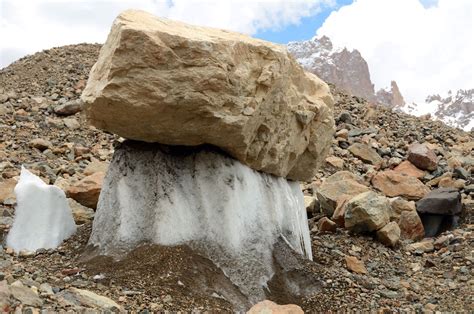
43,218
229,212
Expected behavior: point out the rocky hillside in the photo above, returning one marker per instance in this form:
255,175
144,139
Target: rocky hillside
43,128
349,71
456,110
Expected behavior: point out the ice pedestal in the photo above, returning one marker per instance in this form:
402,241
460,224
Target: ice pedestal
228,212
43,218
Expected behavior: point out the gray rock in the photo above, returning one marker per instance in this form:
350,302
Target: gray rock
358,132
442,201
69,108
25,295
461,173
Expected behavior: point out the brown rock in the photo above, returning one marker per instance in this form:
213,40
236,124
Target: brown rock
424,246
338,216
355,265
338,186
6,190
399,205
208,86
269,307
87,191
40,144
409,169
411,226
326,225
96,166
80,213
422,157
336,162
389,235
392,184
365,153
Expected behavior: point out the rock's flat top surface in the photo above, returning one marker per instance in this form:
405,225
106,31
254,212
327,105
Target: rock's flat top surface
162,81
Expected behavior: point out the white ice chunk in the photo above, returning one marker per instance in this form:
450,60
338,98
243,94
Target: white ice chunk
43,218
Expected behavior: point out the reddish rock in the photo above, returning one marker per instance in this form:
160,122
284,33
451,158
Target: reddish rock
326,225
355,265
399,205
87,191
338,216
393,183
269,307
409,169
411,226
422,157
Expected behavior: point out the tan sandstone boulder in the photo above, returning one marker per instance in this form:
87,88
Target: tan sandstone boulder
163,81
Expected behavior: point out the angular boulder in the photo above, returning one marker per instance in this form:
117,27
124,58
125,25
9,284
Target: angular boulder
442,201
367,212
87,191
389,234
365,153
392,183
422,157
409,169
163,81
339,186
411,226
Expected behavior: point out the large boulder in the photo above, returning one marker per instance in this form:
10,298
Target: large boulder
442,201
163,81
392,183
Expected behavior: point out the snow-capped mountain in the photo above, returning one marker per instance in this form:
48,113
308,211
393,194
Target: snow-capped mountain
456,110
348,70
345,69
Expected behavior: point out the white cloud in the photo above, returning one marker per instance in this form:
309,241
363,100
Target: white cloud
27,26
427,48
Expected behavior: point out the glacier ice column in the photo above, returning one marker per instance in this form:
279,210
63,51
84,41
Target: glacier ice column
200,197
43,218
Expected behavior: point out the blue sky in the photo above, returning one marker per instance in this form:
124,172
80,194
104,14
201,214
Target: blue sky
304,30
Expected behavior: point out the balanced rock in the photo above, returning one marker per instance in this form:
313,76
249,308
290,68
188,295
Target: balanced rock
162,81
339,186
392,183
367,212
422,157
442,201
